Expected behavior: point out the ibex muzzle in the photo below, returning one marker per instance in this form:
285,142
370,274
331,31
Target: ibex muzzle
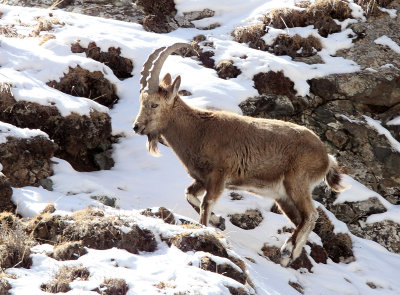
270,158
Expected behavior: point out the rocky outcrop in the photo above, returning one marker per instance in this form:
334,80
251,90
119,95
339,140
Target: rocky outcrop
79,138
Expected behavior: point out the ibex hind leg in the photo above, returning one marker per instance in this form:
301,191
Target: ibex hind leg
192,194
288,207
304,219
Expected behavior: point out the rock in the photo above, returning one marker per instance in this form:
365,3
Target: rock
366,87
122,67
225,69
107,201
27,161
162,213
268,105
78,145
83,83
248,220
338,246
386,233
226,269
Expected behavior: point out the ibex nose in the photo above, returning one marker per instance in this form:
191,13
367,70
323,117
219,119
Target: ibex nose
136,127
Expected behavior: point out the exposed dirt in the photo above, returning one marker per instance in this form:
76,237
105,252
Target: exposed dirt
5,195
226,69
94,230
274,83
27,161
121,66
83,83
78,145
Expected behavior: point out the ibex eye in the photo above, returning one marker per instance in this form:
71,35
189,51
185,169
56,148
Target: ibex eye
154,105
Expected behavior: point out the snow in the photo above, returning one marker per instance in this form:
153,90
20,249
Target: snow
382,130
139,181
386,41
8,130
392,12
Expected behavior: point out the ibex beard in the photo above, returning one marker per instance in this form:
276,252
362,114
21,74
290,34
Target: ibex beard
270,158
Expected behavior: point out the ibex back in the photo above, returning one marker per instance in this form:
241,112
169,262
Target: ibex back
219,150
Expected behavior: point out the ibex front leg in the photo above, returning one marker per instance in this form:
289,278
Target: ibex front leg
192,193
214,188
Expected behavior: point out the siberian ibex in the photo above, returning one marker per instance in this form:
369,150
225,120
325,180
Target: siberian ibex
270,158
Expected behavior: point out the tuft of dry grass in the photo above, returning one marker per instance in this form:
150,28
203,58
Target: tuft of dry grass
64,276
371,6
15,244
251,35
46,37
295,46
113,287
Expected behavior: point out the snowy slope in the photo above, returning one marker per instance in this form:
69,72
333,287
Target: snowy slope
138,180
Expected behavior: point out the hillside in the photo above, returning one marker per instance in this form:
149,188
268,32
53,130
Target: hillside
87,211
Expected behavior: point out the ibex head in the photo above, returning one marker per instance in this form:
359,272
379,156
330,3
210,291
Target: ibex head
156,99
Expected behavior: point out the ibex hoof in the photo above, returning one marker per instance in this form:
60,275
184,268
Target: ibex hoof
285,253
218,222
285,261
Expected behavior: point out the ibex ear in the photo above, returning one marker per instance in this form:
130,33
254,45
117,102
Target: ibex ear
175,86
166,81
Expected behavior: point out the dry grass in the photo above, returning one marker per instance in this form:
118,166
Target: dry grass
46,37
251,35
295,46
113,287
371,6
65,275
45,24
321,15
15,244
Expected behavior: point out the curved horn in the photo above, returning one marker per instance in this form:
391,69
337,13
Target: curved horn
153,80
146,67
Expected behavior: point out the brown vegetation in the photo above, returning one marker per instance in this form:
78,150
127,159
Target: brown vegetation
113,287
83,83
321,15
15,244
295,46
69,251
65,275
251,35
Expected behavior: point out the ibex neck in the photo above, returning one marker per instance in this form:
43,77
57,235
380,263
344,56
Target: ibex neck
182,128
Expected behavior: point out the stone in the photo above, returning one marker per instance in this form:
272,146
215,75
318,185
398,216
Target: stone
248,220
